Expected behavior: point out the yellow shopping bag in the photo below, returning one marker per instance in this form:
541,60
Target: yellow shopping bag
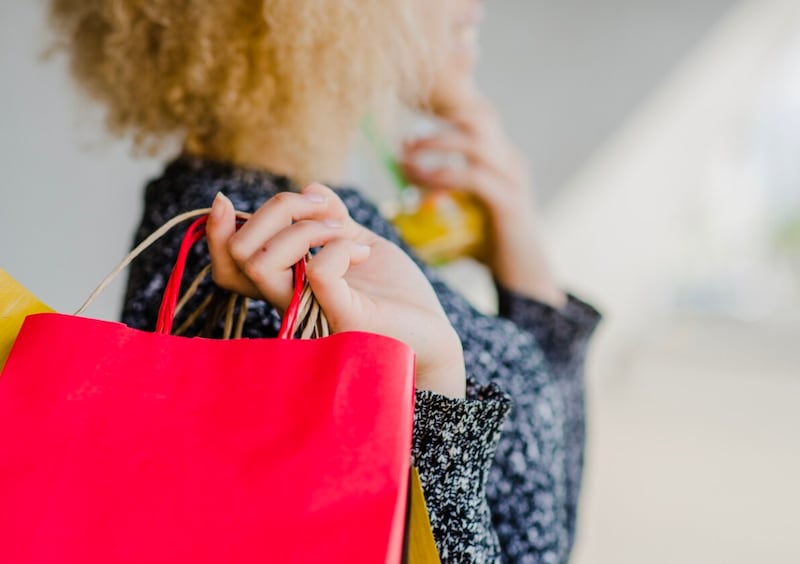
421,546
16,303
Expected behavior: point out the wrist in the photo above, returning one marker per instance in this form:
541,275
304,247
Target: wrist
444,373
511,209
520,265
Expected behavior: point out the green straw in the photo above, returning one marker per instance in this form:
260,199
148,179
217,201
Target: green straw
385,155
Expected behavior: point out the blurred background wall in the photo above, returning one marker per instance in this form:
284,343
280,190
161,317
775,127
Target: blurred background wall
665,140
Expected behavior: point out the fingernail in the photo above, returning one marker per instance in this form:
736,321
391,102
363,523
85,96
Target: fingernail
216,206
315,198
333,223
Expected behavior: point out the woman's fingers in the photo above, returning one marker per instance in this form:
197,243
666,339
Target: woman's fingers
481,121
495,156
257,260
451,142
270,267
325,273
314,202
474,180
494,171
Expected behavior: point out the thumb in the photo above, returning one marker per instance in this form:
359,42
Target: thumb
220,228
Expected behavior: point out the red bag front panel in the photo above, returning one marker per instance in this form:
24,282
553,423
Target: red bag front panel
118,445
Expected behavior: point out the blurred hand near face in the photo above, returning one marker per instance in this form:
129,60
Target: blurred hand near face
489,166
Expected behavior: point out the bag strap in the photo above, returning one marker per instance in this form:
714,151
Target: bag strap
303,308
138,250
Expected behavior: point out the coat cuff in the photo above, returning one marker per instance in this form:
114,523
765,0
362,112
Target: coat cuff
459,432
453,447
559,331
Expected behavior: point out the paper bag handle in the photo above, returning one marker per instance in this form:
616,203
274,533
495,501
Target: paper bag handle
169,301
195,233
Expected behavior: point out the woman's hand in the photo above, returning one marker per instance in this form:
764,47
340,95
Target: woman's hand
496,173
362,281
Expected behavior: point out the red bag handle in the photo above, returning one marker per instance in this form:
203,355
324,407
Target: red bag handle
196,232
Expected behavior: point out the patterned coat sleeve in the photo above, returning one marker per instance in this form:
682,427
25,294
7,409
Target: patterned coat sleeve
563,334
454,444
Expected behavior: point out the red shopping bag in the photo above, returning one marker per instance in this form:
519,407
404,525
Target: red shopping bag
124,446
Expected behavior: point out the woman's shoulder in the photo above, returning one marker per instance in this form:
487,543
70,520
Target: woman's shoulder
191,182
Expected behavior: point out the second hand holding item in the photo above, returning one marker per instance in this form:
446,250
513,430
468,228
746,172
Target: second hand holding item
483,164
440,225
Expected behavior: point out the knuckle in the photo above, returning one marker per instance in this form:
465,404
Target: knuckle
281,199
305,226
237,249
218,277
254,271
305,231
314,270
223,277
320,267
358,233
324,267
338,207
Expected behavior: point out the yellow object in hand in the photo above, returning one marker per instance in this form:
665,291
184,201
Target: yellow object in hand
444,226
16,303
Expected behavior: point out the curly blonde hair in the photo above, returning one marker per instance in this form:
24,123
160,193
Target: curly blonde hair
217,75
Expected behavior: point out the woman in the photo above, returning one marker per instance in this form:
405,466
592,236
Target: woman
264,96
